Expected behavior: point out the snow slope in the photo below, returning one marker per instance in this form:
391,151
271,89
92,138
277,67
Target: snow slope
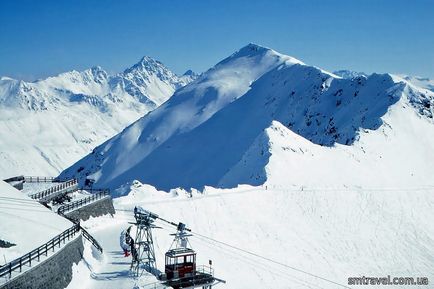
49,124
422,82
331,233
218,130
349,73
25,223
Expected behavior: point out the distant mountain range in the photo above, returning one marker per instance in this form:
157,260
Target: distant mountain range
260,117
48,124
422,82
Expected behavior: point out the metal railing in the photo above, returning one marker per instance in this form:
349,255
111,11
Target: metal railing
17,264
65,187
204,269
39,179
154,285
97,195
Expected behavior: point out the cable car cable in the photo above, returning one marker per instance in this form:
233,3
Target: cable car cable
265,266
271,260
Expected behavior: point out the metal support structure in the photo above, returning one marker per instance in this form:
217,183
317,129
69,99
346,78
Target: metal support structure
143,254
181,237
181,270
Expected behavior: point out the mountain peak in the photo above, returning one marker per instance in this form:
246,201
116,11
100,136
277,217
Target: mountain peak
255,47
146,63
147,59
189,73
97,68
251,49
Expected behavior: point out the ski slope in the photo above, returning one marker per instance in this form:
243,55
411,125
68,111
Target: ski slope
330,233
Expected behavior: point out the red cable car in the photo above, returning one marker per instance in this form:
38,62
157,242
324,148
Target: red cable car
180,263
181,271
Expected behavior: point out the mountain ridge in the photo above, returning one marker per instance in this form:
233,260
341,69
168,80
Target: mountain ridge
204,130
148,81
50,123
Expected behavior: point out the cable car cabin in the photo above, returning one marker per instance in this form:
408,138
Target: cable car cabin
180,263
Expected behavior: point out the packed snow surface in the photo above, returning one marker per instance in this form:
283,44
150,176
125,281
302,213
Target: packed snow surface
262,117
47,125
25,223
327,232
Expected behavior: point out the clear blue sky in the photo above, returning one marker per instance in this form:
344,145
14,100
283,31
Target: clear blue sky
40,38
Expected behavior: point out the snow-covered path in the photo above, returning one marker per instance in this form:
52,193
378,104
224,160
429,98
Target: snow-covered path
111,269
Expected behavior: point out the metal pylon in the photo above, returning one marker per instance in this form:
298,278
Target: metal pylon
144,256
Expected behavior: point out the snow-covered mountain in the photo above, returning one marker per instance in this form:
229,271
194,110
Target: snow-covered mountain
421,82
260,116
349,73
47,125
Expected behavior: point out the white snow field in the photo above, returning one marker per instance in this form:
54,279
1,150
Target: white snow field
330,233
423,82
317,178
25,223
262,116
47,125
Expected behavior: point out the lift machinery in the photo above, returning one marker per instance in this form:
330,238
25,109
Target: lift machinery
181,270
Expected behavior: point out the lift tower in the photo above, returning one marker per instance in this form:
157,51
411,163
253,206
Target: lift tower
181,270
143,254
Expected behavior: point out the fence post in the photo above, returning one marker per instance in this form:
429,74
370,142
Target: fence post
20,264
39,254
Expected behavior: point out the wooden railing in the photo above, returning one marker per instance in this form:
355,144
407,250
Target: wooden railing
97,195
62,187
36,254
91,239
85,233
